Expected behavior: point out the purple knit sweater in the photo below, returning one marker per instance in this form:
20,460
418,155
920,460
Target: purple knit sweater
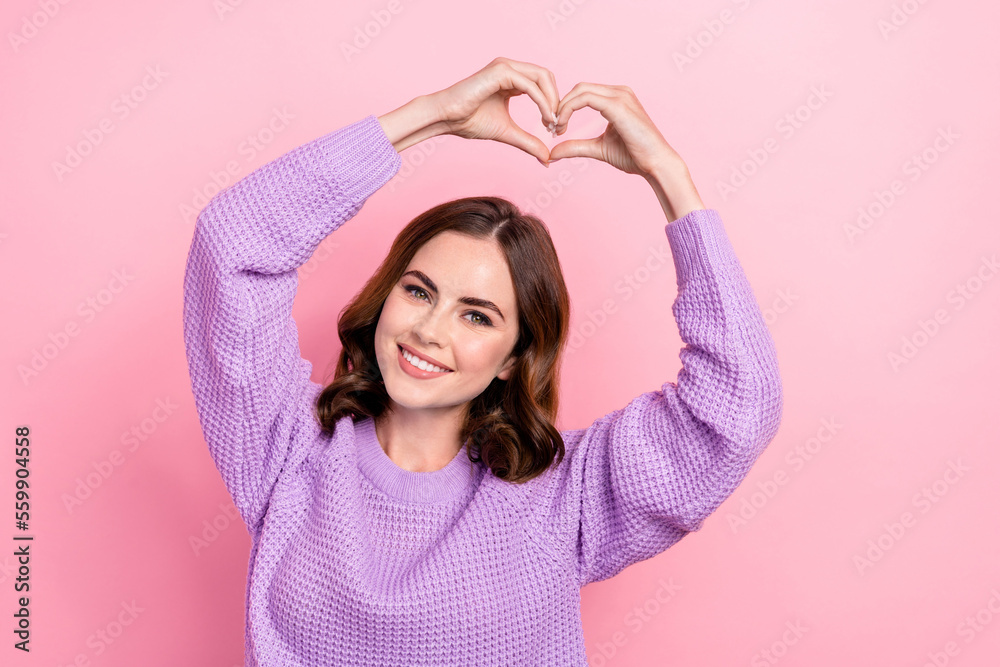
356,561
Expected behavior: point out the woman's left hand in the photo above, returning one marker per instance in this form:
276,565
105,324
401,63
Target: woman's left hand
631,141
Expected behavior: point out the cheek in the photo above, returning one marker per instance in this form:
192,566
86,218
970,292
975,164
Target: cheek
386,331
478,353
392,317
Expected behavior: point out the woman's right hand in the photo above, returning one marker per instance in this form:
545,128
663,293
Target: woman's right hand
477,107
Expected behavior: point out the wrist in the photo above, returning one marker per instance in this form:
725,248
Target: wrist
667,170
415,121
675,190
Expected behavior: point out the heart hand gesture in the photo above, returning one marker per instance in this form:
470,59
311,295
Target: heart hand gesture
478,107
631,141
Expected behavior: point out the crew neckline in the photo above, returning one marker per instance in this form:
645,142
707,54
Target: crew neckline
416,487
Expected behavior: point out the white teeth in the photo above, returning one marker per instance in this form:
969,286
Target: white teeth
421,364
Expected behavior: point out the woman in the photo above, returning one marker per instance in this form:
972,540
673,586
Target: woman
431,514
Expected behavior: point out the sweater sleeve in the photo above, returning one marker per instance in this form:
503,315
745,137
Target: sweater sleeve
251,387
642,477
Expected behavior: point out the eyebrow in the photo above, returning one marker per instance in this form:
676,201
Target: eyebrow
468,300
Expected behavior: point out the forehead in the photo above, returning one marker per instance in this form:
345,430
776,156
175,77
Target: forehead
466,266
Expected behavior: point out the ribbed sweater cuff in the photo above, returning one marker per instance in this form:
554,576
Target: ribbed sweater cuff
362,155
698,242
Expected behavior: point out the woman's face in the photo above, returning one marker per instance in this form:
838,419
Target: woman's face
455,304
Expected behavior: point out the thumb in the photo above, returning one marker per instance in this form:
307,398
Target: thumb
576,148
527,142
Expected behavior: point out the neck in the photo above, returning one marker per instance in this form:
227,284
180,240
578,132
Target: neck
420,440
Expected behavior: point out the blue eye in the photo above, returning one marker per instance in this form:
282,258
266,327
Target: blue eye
483,321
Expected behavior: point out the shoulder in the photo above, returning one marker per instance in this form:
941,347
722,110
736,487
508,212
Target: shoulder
321,449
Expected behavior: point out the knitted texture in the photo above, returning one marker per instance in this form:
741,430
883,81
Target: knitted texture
356,561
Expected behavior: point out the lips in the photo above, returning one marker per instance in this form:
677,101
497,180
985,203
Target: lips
416,371
430,360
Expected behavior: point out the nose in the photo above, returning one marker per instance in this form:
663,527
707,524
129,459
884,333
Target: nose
431,327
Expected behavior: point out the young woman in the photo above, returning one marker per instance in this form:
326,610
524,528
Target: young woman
421,509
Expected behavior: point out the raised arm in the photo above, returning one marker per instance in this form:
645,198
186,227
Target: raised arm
252,389
251,386
640,478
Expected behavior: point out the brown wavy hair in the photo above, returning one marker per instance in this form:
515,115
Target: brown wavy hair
509,426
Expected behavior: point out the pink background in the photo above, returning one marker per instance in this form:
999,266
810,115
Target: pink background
870,437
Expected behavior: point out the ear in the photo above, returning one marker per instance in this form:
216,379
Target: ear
507,369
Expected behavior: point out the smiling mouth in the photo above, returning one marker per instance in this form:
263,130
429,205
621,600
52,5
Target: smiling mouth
421,364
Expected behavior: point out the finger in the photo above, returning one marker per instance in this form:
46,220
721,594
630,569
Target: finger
587,95
576,148
546,81
586,86
526,141
523,84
